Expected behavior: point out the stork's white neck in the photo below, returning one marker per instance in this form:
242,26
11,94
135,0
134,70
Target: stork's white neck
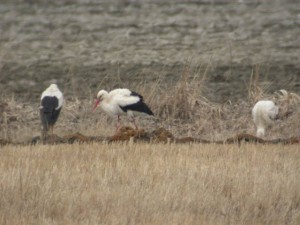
260,132
110,107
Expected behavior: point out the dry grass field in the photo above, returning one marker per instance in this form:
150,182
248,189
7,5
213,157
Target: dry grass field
200,65
139,183
150,184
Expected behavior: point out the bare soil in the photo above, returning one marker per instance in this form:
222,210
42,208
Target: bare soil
88,45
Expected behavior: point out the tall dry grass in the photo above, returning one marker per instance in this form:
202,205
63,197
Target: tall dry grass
150,184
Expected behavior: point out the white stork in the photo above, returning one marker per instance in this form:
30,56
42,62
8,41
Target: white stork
122,102
51,104
264,113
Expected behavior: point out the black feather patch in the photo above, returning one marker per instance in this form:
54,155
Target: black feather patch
133,93
140,106
48,113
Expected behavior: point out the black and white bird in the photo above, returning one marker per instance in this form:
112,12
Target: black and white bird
51,103
264,113
120,102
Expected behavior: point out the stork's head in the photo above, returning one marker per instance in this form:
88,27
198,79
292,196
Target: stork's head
53,87
100,96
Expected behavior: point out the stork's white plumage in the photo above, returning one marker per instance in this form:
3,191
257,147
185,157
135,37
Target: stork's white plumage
120,102
51,104
264,113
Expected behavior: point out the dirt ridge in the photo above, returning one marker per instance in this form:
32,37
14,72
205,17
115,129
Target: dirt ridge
159,135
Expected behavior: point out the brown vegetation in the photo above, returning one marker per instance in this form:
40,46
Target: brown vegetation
194,119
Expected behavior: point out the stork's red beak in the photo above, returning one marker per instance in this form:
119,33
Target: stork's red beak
96,104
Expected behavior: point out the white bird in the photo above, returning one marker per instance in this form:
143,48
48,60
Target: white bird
122,102
264,113
51,103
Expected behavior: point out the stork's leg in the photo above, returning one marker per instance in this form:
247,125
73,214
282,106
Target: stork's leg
44,135
118,125
51,129
134,123
44,124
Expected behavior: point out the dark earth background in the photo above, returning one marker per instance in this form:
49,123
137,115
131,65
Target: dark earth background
88,45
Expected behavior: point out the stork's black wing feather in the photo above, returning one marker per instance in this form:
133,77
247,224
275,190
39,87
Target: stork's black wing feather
48,112
140,106
133,93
